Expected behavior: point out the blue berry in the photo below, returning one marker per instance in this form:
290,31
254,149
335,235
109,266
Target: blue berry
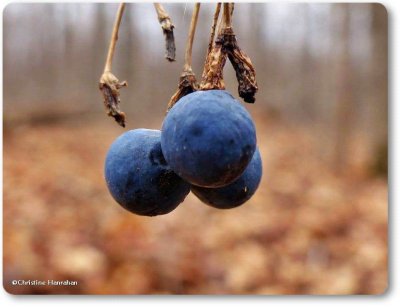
208,138
139,178
236,193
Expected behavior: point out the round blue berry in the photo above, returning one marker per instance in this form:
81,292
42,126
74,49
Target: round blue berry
139,178
208,138
236,193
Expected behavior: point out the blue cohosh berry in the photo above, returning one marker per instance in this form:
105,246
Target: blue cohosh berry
208,138
236,193
139,178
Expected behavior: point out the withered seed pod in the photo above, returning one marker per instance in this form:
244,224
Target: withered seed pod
109,87
245,72
187,85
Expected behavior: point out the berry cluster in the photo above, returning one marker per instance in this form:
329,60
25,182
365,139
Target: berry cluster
207,145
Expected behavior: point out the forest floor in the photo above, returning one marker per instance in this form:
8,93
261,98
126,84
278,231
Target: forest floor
308,229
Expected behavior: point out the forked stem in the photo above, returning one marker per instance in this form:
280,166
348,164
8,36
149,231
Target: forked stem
189,43
114,38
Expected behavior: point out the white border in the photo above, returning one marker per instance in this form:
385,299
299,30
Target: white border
390,298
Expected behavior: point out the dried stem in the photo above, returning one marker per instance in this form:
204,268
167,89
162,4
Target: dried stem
226,46
226,20
114,38
109,84
189,43
227,14
245,72
220,25
212,77
213,27
168,30
214,54
187,81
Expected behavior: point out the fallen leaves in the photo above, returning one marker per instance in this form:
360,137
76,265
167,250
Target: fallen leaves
306,230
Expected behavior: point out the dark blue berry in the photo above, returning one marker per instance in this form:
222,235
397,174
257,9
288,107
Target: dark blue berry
236,193
139,178
208,138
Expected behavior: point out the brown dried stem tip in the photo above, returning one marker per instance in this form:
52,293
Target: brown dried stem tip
187,85
245,72
168,30
212,77
187,81
226,46
109,84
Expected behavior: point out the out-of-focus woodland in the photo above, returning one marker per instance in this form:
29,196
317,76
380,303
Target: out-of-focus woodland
318,222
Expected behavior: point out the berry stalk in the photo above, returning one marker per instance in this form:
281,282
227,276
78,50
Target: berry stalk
227,14
212,77
187,81
213,27
109,84
189,43
114,38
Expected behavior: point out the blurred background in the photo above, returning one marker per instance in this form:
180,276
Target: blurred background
318,222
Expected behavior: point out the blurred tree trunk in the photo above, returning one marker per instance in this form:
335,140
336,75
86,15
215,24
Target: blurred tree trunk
379,88
344,113
307,68
266,59
69,46
126,44
260,52
257,15
9,75
99,39
48,68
